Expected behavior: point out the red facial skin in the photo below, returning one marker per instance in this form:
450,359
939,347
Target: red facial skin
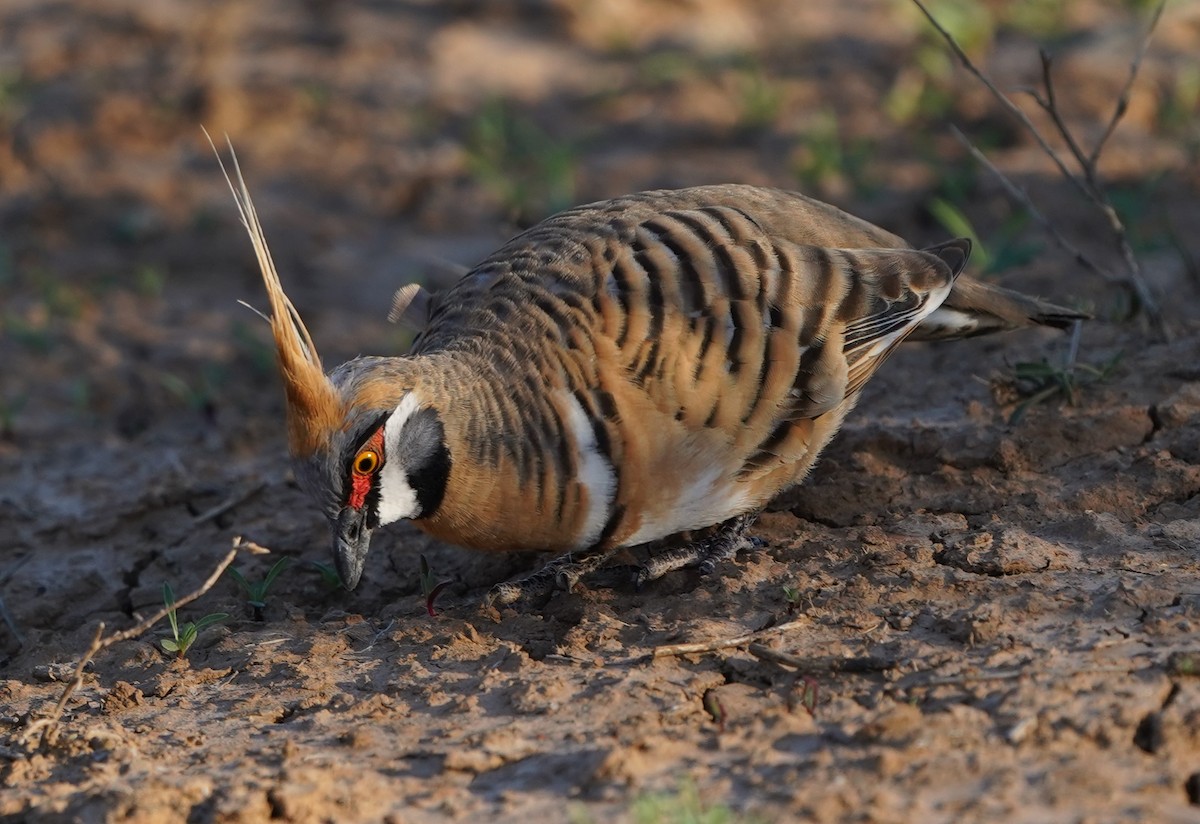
360,482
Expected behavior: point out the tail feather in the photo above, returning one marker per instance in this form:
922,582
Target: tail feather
977,308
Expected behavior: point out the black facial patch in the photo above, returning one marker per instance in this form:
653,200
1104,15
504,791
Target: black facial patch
371,505
421,450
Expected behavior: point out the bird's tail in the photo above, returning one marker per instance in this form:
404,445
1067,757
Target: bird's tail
977,308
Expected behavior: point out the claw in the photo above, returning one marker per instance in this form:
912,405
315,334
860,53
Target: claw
641,577
564,572
705,554
503,595
567,570
566,579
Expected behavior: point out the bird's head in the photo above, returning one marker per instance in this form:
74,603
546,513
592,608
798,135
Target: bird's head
367,444
386,460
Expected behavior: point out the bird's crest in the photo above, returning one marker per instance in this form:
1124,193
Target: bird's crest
314,408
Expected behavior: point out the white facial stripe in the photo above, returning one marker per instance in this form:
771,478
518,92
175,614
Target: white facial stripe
595,473
397,499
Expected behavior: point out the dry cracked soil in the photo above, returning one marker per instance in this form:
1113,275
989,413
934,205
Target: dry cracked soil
973,610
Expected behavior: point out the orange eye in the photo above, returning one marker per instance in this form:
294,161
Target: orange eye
366,462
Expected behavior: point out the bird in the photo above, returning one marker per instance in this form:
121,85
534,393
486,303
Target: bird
649,370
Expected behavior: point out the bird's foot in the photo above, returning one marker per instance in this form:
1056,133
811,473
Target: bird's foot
724,542
564,572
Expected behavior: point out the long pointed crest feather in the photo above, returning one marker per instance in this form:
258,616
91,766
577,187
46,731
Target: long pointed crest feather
314,409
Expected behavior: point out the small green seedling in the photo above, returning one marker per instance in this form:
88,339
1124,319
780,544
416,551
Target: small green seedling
828,161
1042,381
808,694
430,589
683,806
1185,664
761,99
256,593
1003,250
955,221
330,579
792,596
715,709
529,170
183,637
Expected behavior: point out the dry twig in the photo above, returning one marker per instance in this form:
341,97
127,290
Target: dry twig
964,678
1022,199
827,663
1089,185
47,728
1123,99
1002,98
713,646
229,503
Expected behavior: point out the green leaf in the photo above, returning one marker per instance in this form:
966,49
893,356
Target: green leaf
256,593
958,224
276,569
169,603
241,581
208,621
329,574
187,636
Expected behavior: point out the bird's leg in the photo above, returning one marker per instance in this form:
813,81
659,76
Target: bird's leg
723,543
566,570
561,573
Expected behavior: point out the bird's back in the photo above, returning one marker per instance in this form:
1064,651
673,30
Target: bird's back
667,360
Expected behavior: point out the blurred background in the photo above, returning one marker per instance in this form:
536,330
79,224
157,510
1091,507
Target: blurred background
383,140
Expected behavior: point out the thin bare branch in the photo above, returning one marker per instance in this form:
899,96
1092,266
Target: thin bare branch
77,678
48,726
146,623
1022,199
713,646
1123,99
249,546
229,503
1050,104
825,663
919,680
1092,179
1140,287
1002,99
1089,185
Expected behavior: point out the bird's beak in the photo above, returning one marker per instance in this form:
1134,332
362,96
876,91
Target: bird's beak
351,540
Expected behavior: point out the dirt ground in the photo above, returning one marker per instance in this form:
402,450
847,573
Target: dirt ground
959,617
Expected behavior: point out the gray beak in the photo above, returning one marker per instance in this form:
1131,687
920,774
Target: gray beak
351,540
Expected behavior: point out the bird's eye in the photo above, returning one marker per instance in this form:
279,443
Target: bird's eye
366,462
